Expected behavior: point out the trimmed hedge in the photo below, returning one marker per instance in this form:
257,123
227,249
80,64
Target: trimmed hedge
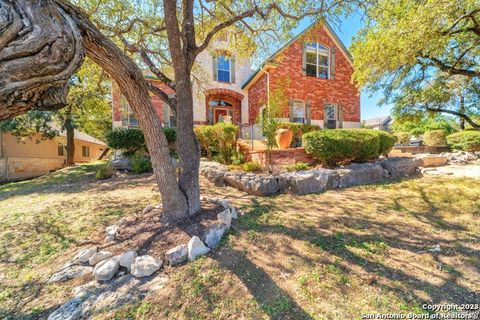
435,138
468,140
339,146
403,137
298,130
218,141
131,140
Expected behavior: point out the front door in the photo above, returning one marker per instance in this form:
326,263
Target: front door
218,114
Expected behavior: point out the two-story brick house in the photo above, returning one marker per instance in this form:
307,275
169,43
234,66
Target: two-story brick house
313,71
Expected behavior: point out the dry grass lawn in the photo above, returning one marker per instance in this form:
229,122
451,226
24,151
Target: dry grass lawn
334,255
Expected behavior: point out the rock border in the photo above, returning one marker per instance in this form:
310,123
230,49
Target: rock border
105,266
320,180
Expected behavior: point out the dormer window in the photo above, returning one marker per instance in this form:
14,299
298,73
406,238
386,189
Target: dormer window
317,61
224,69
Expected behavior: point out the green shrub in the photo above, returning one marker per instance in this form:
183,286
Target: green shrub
104,172
435,138
170,134
218,141
468,140
387,141
252,166
367,144
237,158
129,140
299,166
339,146
141,162
403,137
298,130
330,147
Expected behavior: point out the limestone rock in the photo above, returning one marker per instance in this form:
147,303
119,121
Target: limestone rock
254,184
111,232
234,213
148,209
84,255
196,248
177,255
400,167
431,160
145,266
361,173
106,269
122,164
70,272
224,203
214,235
127,258
225,217
69,311
99,256
309,181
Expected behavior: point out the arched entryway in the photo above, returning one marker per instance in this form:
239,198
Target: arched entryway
223,102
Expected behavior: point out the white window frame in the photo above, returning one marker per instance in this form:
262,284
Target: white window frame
335,114
229,68
318,52
304,106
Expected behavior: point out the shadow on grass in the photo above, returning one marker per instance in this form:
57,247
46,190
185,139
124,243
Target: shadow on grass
340,245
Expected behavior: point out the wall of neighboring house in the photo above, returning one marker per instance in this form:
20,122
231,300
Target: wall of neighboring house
27,158
288,75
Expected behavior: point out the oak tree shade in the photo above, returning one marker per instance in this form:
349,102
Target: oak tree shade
42,43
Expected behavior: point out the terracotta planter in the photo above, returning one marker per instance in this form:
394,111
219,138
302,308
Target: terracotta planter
283,138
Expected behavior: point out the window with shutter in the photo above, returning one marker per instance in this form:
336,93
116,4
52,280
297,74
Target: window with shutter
316,60
298,111
330,117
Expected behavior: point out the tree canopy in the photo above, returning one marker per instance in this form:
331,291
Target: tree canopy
424,55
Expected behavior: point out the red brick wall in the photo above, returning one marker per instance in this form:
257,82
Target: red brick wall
230,96
257,96
280,156
288,76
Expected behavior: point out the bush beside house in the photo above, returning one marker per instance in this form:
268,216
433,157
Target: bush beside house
218,141
298,130
468,140
333,147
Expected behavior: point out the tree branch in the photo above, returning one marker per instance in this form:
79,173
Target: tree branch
455,113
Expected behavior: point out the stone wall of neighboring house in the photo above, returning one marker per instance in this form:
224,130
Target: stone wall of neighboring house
288,76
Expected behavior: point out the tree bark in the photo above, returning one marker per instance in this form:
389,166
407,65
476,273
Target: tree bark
462,110
40,48
41,87
189,149
70,130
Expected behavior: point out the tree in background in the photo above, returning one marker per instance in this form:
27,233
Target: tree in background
424,55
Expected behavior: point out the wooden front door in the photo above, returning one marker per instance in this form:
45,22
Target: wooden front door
217,113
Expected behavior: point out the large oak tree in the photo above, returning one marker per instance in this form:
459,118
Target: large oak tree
43,42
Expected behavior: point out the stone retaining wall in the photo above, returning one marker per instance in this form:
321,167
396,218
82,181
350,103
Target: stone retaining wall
309,181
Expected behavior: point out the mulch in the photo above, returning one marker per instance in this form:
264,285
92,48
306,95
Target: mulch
146,234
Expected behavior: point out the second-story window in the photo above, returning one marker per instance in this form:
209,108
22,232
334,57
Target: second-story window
223,69
317,61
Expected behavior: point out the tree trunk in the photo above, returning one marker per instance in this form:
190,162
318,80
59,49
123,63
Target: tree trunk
63,31
189,149
70,146
462,110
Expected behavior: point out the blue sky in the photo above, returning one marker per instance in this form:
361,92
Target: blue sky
346,30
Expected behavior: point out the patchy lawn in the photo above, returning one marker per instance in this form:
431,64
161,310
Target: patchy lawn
328,256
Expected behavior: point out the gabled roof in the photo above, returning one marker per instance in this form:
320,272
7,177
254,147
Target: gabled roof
82,136
377,121
331,33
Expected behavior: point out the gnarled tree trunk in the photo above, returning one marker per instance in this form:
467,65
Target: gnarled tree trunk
24,86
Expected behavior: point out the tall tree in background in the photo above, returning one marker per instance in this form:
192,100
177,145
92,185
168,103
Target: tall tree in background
424,55
189,27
